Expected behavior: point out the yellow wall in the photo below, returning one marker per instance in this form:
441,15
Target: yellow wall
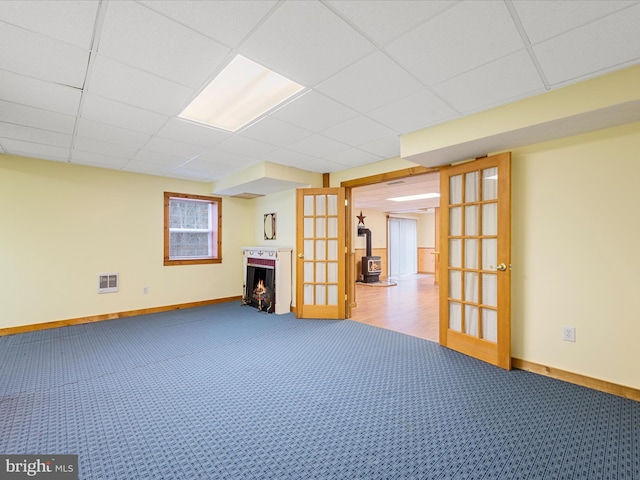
284,205
427,230
575,233
575,258
64,224
377,223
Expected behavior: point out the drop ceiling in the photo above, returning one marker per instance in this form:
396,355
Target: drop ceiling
101,83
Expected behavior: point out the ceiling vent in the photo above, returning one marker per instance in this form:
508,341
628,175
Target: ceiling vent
247,195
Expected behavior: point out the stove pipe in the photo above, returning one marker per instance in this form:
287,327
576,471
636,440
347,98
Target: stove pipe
365,231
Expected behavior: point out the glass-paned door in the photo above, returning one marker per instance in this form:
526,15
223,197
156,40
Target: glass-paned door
320,245
475,259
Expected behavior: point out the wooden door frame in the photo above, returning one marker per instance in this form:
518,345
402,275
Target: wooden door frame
348,185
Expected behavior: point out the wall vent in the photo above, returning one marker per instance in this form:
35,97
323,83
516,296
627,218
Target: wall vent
108,282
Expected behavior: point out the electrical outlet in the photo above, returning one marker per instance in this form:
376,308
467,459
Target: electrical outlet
145,290
569,334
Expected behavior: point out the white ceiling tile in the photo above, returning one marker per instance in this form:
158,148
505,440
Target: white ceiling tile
227,21
612,42
70,21
314,112
370,83
387,147
188,174
414,112
245,146
102,160
85,144
383,20
496,83
275,132
38,93
139,37
287,157
221,157
318,146
35,135
358,130
462,38
110,134
36,118
173,147
182,130
147,168
353,157
41,57
320,165
165,159
306,42
213,169
111,112
30,149
126,84
542,19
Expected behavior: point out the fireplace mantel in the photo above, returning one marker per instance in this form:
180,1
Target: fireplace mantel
282,260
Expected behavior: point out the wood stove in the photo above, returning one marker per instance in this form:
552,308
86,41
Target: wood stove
371,265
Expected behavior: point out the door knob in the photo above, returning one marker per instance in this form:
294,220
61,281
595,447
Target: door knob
502,267
301,255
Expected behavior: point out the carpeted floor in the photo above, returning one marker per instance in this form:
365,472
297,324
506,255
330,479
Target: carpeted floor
226,392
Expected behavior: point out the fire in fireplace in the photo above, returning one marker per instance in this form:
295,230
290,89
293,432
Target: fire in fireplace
260,285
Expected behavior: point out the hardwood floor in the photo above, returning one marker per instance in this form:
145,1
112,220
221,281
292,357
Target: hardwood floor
409,307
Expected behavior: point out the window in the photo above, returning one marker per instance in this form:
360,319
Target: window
192,229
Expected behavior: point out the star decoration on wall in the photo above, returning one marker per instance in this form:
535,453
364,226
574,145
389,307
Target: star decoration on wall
361,218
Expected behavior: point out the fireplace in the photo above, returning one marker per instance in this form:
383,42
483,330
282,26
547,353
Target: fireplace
267,279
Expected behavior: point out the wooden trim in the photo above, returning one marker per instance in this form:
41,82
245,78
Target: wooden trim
217,234
386,177
577,379
112,316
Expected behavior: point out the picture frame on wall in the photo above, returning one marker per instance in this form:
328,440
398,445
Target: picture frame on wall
270,226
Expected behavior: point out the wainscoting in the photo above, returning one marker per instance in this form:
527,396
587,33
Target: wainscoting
426,260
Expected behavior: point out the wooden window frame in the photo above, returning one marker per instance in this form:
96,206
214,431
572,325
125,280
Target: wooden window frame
217,232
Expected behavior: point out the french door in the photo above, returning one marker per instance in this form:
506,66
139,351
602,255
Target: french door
321,253
475,259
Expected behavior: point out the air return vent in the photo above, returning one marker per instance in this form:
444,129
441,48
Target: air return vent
108,282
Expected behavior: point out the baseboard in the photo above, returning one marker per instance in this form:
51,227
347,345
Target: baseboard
111,316
577,379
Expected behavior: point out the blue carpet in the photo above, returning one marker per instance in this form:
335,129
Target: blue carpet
226,392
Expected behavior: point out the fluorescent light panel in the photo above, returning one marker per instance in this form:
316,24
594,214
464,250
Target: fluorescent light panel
421,196
242,92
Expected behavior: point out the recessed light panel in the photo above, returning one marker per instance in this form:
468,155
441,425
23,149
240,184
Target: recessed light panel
421,196
242,92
